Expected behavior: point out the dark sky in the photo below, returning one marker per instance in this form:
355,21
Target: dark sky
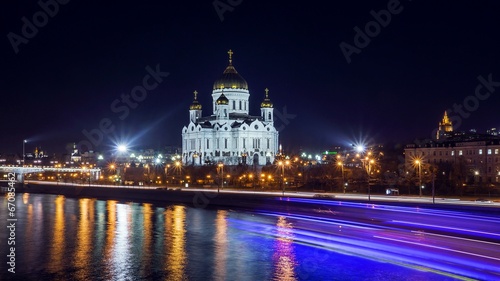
64,79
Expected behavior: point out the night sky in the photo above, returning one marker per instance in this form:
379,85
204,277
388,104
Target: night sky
428,57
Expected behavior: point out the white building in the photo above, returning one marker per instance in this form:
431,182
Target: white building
230,135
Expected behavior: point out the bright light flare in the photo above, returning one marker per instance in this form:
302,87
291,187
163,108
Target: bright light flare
360,148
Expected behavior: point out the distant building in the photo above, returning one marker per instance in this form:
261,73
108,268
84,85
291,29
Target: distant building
479,154
230,135
445,127
492,131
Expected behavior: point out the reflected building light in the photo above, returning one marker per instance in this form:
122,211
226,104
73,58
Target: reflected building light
175,234
26,196
121,253
58,244
110,237
84,239
32,258
147,231
220,240
284,256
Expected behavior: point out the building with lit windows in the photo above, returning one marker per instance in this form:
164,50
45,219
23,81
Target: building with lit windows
477,154
230,135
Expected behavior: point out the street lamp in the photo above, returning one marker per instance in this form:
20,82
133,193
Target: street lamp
419,163
342,167
22,170
24,143
221,167
282,164
250,176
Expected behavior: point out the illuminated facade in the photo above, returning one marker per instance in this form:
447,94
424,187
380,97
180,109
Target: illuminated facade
477,156
230,135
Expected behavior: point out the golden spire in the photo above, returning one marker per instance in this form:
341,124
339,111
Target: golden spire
195,94
267,93
230,52
445,118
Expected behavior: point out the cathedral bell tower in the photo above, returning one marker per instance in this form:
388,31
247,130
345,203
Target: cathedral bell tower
266,108
195,109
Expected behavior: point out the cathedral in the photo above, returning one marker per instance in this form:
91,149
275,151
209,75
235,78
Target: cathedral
230,135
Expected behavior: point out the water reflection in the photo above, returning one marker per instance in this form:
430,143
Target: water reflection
284,257
87,239
220,245
29,228
122,262
110,237
26,196
83,252
58,243
175,242
147,233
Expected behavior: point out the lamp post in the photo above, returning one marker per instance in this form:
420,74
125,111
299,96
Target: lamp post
221,167
342,168
419,163
24,155
178,168
24,144
250,176
282,164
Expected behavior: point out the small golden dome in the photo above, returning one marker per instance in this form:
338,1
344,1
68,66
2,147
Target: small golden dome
222,100
266,103
195,105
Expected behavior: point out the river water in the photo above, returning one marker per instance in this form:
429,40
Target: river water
59,238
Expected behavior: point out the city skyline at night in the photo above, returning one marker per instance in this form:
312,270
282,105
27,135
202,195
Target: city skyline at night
382,71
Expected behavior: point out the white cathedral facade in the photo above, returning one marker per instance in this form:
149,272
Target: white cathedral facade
230,135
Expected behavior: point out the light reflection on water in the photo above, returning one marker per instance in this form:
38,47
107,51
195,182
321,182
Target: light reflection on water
87,239
175,262
284,257
84,236
220,241
58,243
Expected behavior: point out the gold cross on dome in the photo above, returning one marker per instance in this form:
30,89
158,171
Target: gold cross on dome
195,94
230,52
267,93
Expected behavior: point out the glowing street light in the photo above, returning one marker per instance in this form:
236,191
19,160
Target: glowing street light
122,148
282,164
24,153
360,148
221,167
419,163
339,163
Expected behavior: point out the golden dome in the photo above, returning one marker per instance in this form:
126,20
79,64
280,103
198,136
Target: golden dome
222,100
230,79
266,103
195,105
